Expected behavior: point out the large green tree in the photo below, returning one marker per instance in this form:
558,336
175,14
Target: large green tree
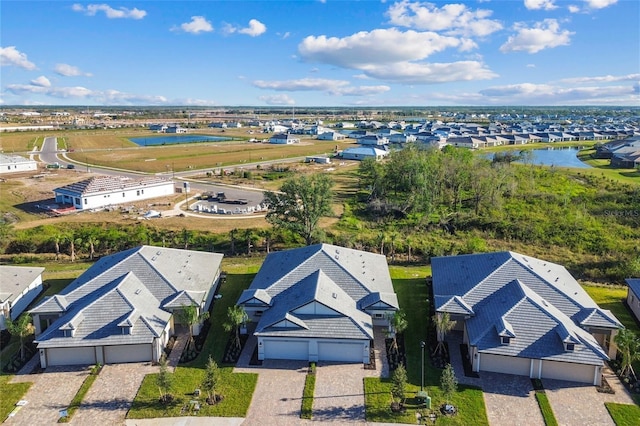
300,204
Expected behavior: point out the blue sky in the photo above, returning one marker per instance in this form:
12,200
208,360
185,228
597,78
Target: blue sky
320,53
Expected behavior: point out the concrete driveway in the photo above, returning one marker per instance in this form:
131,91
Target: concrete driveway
51,392
112,394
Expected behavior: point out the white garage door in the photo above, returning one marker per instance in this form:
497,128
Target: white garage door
505,364
286,349
568,371
340,351
127,353
71,356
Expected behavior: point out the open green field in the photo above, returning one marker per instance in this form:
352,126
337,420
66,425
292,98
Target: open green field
199,156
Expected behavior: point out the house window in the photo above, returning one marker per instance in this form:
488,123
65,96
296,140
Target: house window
505,340
123,194
571,347
138,192
378,316
258,313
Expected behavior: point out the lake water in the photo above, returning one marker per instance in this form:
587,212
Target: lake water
558,157
176,139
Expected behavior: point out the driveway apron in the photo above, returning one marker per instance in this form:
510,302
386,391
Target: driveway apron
112,394
339,394
277,398
510,400
51,392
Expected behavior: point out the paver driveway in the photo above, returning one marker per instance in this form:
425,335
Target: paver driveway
112,394
510,400
51,392
339,393
582,405
278,395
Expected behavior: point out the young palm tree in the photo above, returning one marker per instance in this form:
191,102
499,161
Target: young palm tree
21,327
629,346
397,324
236,316
443,325
188,314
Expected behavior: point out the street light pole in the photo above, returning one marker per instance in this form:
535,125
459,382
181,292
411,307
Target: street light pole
422,344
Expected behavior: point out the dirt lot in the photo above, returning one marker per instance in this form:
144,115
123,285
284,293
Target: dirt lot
20,196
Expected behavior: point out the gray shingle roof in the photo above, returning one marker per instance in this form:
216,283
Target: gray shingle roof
106,184
15,279
343,280
129,288
537,303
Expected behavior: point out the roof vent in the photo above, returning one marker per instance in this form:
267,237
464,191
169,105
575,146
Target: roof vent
138,291
334,295
337,257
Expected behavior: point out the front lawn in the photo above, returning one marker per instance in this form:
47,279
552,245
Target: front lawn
410,286
11,393
236,388
623,414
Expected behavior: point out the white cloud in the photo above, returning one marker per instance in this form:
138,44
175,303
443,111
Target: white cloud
280,99
111,13
454,19
198,24
430,73
41,81
540,4
12,56
380,46
70,71
548,94
573,8
602,79
543,35
600,4
531,65
106,97
302,84
254,29
332,87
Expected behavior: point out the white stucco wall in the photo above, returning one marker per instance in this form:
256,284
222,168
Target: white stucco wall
127,195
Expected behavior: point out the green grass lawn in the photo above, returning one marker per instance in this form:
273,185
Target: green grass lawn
236,388
306,410
409,284
546,410
623,414
10,394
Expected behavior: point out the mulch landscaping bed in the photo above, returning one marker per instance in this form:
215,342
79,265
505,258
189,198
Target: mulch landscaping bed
231,351
396,356
466,362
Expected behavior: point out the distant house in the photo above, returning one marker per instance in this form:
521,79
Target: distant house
633,296
218,125
331,136
363,152
175,129
284,139
16,164
319,303
525,316
101,191
159,128
19,286
122,309
373,140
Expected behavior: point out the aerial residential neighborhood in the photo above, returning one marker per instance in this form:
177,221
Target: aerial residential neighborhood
320,212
